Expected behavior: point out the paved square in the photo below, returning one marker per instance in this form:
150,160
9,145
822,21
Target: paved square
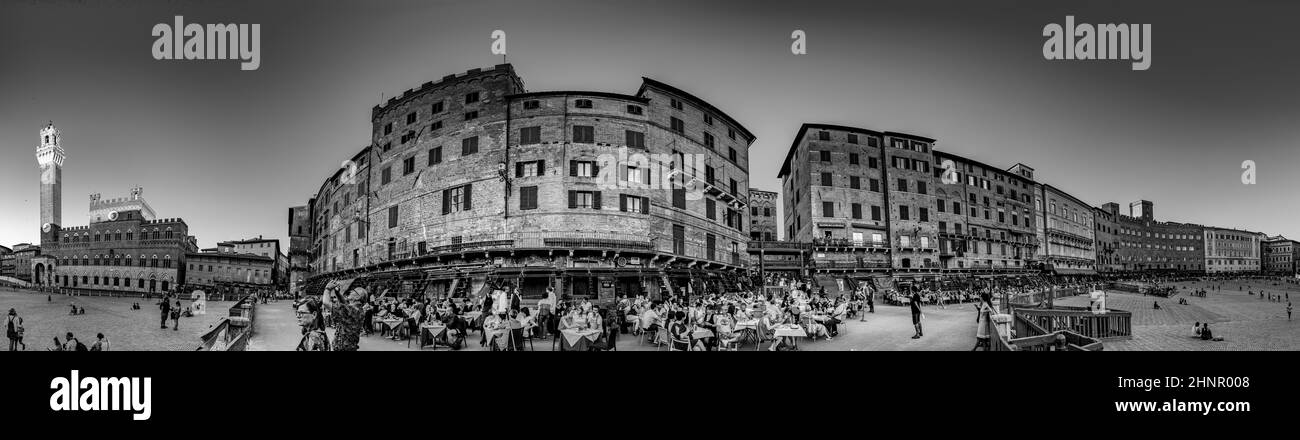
126,329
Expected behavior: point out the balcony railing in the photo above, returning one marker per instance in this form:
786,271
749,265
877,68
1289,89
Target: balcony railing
846,242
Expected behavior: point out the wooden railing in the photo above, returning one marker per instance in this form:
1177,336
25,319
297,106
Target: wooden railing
234,331
1029,336
1109,326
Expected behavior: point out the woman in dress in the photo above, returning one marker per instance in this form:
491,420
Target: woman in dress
347,315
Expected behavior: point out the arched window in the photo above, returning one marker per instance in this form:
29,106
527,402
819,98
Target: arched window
155,259
128,261
168,234
156,234
118,235
167,259
143,259
130,235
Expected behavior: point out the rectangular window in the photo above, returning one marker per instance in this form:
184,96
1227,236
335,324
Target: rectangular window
874,184
627,203
679,239
411,117
469,116
471,97
437,107
388,128
855,182
825,156
408,165
902,184
532,104
527,197
826,179
823,136
941,205
677,125
828,209
853,157
457,199
530,169
710,209
435,156
872,162
853,139
675,104
731,154
469,146
679,198
634,109
583,168
635,139
903,213
708,141
584,134
584,199
920,187
708,119
924,214
436,125
392,216
582,103
386,176
530,135
857,211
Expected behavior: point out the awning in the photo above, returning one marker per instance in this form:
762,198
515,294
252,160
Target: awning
1070,271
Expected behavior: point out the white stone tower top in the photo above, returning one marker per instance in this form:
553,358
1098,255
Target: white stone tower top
51,149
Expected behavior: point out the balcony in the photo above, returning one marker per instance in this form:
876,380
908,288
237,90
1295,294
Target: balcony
845,243
778,245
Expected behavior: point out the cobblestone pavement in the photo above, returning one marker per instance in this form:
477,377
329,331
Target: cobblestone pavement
1243,320
126,329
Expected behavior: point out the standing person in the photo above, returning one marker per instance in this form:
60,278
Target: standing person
165,309
313,327
347,315
14,330
982,312
1288,314
176,316
516,301
915,303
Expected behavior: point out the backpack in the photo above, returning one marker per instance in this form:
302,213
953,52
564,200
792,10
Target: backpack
81,347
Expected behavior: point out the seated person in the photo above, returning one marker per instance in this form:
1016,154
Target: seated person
679,333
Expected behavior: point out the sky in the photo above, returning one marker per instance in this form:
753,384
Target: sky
230,151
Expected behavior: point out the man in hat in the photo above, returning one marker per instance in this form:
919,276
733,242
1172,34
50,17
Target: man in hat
347,314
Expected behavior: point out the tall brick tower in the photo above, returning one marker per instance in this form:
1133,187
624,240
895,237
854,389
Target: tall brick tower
50,156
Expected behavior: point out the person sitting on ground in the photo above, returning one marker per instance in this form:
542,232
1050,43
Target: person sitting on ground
1196,330
1156,305
58,346
1207,335
101,343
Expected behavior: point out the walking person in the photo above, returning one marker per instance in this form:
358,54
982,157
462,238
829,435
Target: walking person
1288,312
915,303
14,330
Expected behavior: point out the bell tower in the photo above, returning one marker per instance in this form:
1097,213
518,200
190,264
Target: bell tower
50,157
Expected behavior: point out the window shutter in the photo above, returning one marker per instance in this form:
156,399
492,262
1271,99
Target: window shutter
573,199
446,201
595,169
645,176
541,168
519,169
595,200
622,203
622,173
468,204
573,172
645,205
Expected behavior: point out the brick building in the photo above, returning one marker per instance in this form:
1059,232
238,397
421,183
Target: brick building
6,262
1231,250
1137,242
762,213
472,179
985,215
1065,228
264,247
24,254
230,271
300,230
1280,256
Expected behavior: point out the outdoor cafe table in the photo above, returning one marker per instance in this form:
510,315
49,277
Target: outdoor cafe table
748,330
393,324
433,332
578,340
790,330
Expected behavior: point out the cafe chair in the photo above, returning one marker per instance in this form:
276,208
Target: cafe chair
673,346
